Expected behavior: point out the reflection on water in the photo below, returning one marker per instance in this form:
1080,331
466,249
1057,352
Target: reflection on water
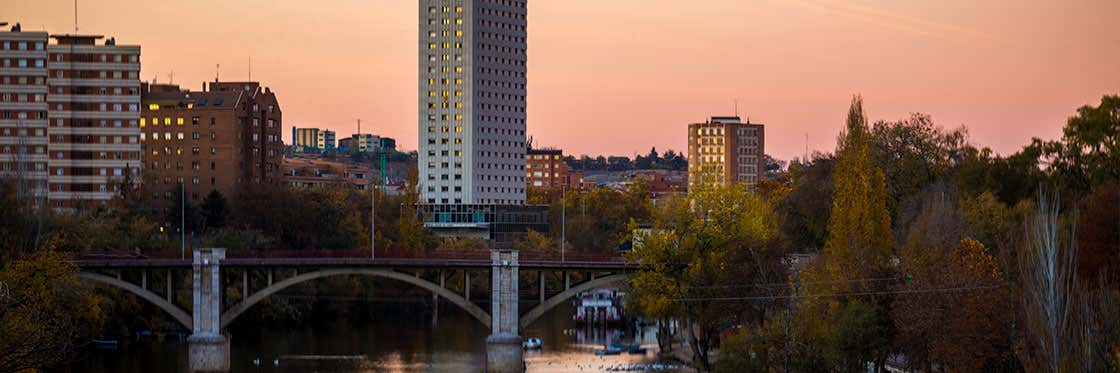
399,338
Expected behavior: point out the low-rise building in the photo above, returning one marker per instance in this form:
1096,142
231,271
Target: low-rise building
312,139
545,168
311,173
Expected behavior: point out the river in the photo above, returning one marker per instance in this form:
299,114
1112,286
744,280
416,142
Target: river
395,338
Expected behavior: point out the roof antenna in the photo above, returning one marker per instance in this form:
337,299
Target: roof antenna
217,72
75,16
171,77
250,68
736,107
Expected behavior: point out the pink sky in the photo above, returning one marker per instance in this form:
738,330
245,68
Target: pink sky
620,76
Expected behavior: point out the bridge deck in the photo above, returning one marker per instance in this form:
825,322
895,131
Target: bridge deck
356,258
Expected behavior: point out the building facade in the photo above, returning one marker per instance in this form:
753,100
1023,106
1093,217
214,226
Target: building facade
318,173
727,151
313,139
472,85
218,139
23,110
69,113
546,169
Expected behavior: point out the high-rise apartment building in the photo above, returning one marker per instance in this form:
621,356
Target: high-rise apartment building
726,150
23,109
313,139
471,103
70,113
218,139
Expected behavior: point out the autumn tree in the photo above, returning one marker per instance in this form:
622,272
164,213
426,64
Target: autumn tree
858,251
961,322
859,243
45,312
700,244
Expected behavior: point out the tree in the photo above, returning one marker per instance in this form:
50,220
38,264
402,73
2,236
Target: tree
700,243
1089,153
45,311
1098,236
214,210
860,243
966,329
1054,342
858,250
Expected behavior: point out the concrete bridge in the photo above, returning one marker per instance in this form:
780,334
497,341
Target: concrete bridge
212,309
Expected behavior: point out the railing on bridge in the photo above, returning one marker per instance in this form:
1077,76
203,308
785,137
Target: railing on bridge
479,255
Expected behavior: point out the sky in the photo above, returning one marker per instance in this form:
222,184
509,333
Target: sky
617,77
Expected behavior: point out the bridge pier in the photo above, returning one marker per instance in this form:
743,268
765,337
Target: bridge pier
503,346
208,349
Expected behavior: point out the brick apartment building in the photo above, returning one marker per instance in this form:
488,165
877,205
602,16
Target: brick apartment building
546,169
727,149
219,138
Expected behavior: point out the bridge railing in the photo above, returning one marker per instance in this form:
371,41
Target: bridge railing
527,256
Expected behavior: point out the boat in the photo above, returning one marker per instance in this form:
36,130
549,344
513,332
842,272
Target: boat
105,343
608,350
531,344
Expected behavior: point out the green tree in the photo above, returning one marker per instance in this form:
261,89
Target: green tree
698,245
1089,153
858,250
214,210
860,242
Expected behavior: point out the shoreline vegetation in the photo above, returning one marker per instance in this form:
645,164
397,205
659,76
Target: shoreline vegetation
907,246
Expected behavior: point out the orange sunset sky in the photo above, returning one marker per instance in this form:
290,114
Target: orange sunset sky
620,76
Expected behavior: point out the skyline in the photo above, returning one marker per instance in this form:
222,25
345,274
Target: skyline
1007,73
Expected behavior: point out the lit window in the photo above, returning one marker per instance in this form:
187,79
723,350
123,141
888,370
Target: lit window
458,32
153,106
179,121
167,121
143,122
458,21
431,45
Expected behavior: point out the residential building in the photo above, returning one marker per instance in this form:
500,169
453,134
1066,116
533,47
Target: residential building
313,139
546,169
95,109
69,113
23,109
312,173
471,101
222,138
726,150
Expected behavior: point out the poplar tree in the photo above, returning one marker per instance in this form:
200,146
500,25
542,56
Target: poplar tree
859,240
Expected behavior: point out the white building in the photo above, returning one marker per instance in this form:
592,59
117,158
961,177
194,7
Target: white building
472,101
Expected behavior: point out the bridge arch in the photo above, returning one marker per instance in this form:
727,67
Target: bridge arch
556,300
177,313
229,315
